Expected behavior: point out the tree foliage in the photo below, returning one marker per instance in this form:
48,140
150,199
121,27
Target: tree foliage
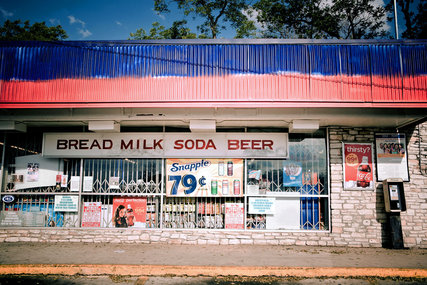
296,18
214,13
349,19
360,19
414,18
18,31
158,32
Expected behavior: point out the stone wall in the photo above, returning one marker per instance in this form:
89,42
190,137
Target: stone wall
358,218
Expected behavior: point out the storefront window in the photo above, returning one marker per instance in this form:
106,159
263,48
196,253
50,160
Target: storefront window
232,193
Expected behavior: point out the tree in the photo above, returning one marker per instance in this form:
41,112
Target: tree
360,19
296,18
215,14
158,32
420,21
415,23
349,19
18,31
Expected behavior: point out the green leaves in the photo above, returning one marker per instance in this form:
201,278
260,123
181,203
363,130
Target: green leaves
18,31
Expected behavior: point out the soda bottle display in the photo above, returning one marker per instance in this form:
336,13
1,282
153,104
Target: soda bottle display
221,168
214,187
230,168
364,175
224,187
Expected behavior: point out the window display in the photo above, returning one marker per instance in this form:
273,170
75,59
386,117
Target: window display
181,193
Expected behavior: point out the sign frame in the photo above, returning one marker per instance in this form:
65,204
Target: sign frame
166,145
347,166
386,160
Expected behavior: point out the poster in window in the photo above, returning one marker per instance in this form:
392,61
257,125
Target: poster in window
114,182
392,158
75,184
64,181
129,212
87,183
33,172
292,174
91,214
234,215
66,203
204,177
358,166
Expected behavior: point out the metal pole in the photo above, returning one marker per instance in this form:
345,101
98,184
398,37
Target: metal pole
395,20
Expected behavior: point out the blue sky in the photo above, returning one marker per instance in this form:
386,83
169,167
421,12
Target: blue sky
101,20
91,19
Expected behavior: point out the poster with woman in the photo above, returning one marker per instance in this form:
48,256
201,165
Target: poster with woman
129,212
392,159
358,166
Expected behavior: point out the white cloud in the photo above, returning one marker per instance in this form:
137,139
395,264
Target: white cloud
74,20
85,33
54,21
161,16
119,23
6,14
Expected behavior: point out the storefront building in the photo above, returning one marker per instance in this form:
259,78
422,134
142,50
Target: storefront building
222,142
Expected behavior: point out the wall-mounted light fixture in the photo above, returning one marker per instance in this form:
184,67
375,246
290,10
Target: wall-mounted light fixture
104,126
203,126
13,126
304,126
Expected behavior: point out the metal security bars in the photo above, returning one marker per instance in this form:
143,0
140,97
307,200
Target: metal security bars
298,185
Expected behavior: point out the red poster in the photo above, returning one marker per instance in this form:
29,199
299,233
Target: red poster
129,212
358,166
234,215
91,214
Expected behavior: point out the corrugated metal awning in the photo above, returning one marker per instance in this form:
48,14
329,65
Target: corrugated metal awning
213,73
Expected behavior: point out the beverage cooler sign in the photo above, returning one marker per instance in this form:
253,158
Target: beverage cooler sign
358,167
204,177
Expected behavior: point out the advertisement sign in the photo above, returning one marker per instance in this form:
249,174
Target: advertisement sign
292,174
234,217
75,184
87,183
165,145
358,166
204,177
91,214
32,171
129,212
262,205
392,159
66,203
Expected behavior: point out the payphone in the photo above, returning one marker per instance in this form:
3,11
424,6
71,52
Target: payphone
394,200
394,195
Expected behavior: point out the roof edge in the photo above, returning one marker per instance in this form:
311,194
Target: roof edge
230,42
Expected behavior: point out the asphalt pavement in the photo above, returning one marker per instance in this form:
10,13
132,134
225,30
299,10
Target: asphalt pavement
195,262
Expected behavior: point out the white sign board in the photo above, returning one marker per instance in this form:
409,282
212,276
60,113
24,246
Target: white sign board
262,205
162,145
392,156
37,171
66,203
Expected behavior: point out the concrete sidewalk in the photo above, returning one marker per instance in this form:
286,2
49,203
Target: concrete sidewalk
197,260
